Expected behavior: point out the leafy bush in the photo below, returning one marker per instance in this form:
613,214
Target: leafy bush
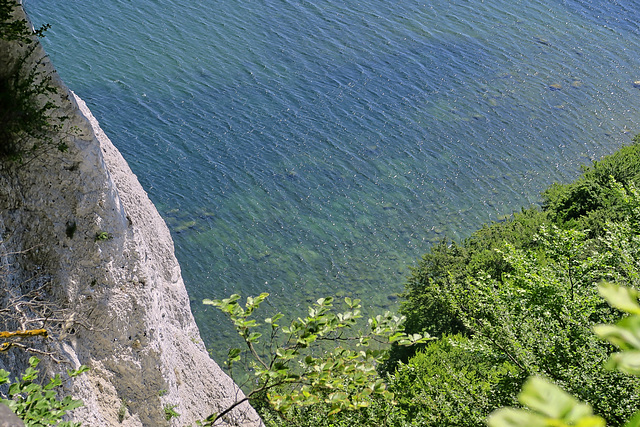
35,404
426,308
379,413
549,405
521,296
324,361
591,200
585,204
535,321
449,383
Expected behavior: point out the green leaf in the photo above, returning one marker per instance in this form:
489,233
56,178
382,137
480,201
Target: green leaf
337,397
634,421
550,405
53,382
14,389
620,297
325,302
272,320
4,376
627,362
80,370
548,399
510,417
625,334
234,354
255,336
33,362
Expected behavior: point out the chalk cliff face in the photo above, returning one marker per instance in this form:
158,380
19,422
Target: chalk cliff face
103,254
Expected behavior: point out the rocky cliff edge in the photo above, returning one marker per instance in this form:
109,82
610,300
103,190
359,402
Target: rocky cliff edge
79,231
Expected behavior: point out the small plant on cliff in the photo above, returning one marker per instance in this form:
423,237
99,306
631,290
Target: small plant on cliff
35,404
101,236
324,359
170,412
122,410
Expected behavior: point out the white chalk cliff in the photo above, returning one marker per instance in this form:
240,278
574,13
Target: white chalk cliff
134,327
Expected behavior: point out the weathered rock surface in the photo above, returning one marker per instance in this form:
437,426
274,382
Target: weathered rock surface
128,311
8,418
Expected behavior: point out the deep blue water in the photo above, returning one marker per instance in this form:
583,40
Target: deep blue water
314,148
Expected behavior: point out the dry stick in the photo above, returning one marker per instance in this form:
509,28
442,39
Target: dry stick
7,345
27,333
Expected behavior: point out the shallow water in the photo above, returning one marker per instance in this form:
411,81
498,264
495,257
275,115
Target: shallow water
315,148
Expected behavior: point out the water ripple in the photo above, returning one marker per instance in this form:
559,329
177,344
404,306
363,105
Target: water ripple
310,148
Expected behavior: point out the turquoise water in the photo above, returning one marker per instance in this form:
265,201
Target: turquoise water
315,148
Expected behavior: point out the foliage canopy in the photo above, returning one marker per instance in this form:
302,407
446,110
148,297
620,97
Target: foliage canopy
521,296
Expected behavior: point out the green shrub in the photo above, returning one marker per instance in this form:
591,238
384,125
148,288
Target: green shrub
449,383
170,412
26,122
35,404
322,364
590,201
427,308
534,319
548,405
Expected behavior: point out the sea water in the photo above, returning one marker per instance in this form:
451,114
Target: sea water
313,148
